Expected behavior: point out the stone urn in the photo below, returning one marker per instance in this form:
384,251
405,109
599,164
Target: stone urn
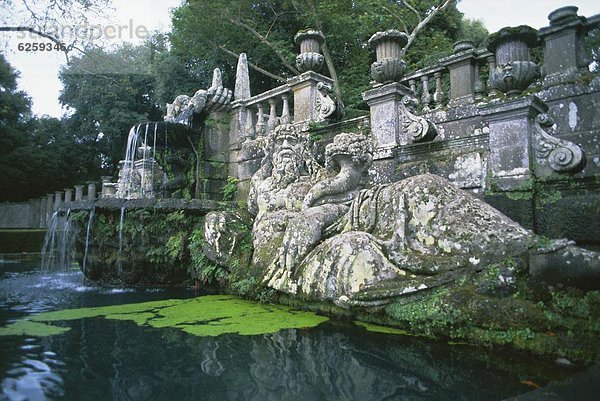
514,70
463,45
389,66
563,15
310,57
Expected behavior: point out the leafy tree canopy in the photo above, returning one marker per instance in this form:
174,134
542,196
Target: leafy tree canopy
214,34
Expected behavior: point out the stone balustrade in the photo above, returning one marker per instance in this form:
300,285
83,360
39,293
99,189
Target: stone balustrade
459,79
260,114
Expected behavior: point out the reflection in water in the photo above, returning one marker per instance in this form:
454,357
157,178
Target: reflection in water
109,359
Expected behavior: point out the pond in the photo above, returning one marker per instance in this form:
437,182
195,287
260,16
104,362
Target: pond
170,348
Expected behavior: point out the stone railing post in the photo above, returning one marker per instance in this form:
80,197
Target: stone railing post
91,191
462,73
564,51
49,208
308,97
68,195
43,212
512,129
78,193
514,71
386,123
57,199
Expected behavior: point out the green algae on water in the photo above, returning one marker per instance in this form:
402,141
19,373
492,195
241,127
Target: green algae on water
211,315
29,328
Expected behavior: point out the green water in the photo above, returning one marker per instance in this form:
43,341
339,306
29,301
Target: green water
64,340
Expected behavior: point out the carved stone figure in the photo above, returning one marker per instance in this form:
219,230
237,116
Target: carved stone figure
212,99
318,234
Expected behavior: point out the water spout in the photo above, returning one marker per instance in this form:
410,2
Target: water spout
119,260
87,240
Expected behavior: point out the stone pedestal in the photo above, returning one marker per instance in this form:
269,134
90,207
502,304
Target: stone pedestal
565,56
511,126
386,121
91,191
43,212
78,193
57,199
306,95
462,75
68,195
49,208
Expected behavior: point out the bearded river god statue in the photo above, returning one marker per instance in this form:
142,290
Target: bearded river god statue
319,234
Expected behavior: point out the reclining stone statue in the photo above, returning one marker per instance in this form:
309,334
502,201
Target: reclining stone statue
318,234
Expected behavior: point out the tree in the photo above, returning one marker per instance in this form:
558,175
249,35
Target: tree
218,32
67,23
108,93
37,155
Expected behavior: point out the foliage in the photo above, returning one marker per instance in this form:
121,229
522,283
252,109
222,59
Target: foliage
209,35
473,29
37,154
61,21
108,92
230,188
201,268
592,43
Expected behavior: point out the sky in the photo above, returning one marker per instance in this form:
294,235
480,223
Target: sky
39,70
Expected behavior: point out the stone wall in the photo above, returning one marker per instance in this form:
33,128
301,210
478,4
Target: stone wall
20,215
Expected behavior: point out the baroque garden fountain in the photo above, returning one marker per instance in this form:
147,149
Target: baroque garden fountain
391,218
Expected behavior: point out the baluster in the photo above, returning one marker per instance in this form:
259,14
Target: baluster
478,86
438,95
261,127
249,132
425,97
285,112
272,122
413,86
492,66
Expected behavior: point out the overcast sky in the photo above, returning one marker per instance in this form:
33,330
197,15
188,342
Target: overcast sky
39,70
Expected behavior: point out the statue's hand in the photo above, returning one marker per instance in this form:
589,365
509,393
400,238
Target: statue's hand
301,235
218,98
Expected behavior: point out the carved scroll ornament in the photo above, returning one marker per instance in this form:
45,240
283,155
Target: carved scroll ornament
561,155
419,129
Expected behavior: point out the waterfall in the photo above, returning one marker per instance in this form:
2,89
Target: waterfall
57,248
154,151
48,250
130,155
87,239
119,260
65,243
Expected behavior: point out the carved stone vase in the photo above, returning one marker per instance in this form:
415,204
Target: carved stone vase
310,57
514,70
389,66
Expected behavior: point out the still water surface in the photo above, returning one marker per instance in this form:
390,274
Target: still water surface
101,359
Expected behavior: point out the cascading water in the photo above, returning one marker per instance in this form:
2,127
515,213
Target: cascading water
87,239
130,155
57,248
120,262
48,254
65,242
138,163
